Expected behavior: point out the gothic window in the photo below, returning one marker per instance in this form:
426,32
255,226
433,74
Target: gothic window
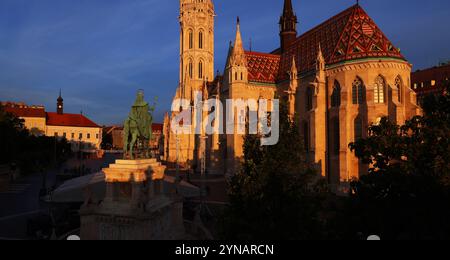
191,39
309,99
191,69
336,95
200,40
200,70
306,136
358,124
358,92
336,137
399,86
379,90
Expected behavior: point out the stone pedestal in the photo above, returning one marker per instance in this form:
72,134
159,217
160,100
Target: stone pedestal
135,207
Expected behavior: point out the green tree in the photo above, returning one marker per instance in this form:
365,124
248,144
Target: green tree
277,194
406,191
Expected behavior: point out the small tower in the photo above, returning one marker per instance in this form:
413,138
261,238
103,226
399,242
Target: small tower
60,104
237,61
288,26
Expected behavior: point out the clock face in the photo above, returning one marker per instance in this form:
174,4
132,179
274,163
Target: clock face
59,106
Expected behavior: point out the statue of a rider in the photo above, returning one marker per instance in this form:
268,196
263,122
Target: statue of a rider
138,128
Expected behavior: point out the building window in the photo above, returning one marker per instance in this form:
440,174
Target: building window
379,90
191,69
306,136
336,137
309,99
236,76
56,134
200,70
96,136
80,136
191,39
200,40
336,96
399,86
358,92
358,128
64,135
73,136
88,136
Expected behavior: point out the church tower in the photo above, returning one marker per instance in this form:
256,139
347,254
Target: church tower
288,26
60,104
196,45
196,69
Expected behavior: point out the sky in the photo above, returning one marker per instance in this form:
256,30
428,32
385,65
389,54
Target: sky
100,52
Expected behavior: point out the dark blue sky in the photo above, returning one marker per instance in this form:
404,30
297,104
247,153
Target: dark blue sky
99,52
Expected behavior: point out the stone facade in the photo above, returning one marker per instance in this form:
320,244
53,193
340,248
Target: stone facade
135,206
337,79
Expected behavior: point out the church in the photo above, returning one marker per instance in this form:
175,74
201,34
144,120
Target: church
337,79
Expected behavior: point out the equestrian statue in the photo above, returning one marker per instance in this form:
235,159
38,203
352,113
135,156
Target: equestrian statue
137,130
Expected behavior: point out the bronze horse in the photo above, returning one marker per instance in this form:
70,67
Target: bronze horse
138,129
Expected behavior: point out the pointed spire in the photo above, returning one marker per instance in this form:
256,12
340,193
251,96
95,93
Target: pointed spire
320,63
288,10
293,72
238,53
288,25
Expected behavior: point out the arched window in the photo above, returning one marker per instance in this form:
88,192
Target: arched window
191,39
200,70
358,92
358,128
379,90
399,86
309,99
191,69
336,95
200,40
235,76
306,136
336,137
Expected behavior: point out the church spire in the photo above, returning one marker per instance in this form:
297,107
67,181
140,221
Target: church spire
238,53
288,25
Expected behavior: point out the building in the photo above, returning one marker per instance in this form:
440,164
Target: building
337,78
80,131
34,117
430,81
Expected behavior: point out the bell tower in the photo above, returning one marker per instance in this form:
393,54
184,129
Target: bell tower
288,26
196,45
60,104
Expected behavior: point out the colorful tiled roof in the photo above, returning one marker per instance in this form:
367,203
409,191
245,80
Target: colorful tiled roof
25,111
72,120
262,67
349,35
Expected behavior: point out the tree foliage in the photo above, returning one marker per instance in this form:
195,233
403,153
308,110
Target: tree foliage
406,191
276,195
30,152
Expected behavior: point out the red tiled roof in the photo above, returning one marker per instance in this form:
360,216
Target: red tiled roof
73,120
349,35
262,67
157,127
25,111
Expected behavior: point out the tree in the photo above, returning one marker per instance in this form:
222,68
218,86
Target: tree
29,152
276,195
406,192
